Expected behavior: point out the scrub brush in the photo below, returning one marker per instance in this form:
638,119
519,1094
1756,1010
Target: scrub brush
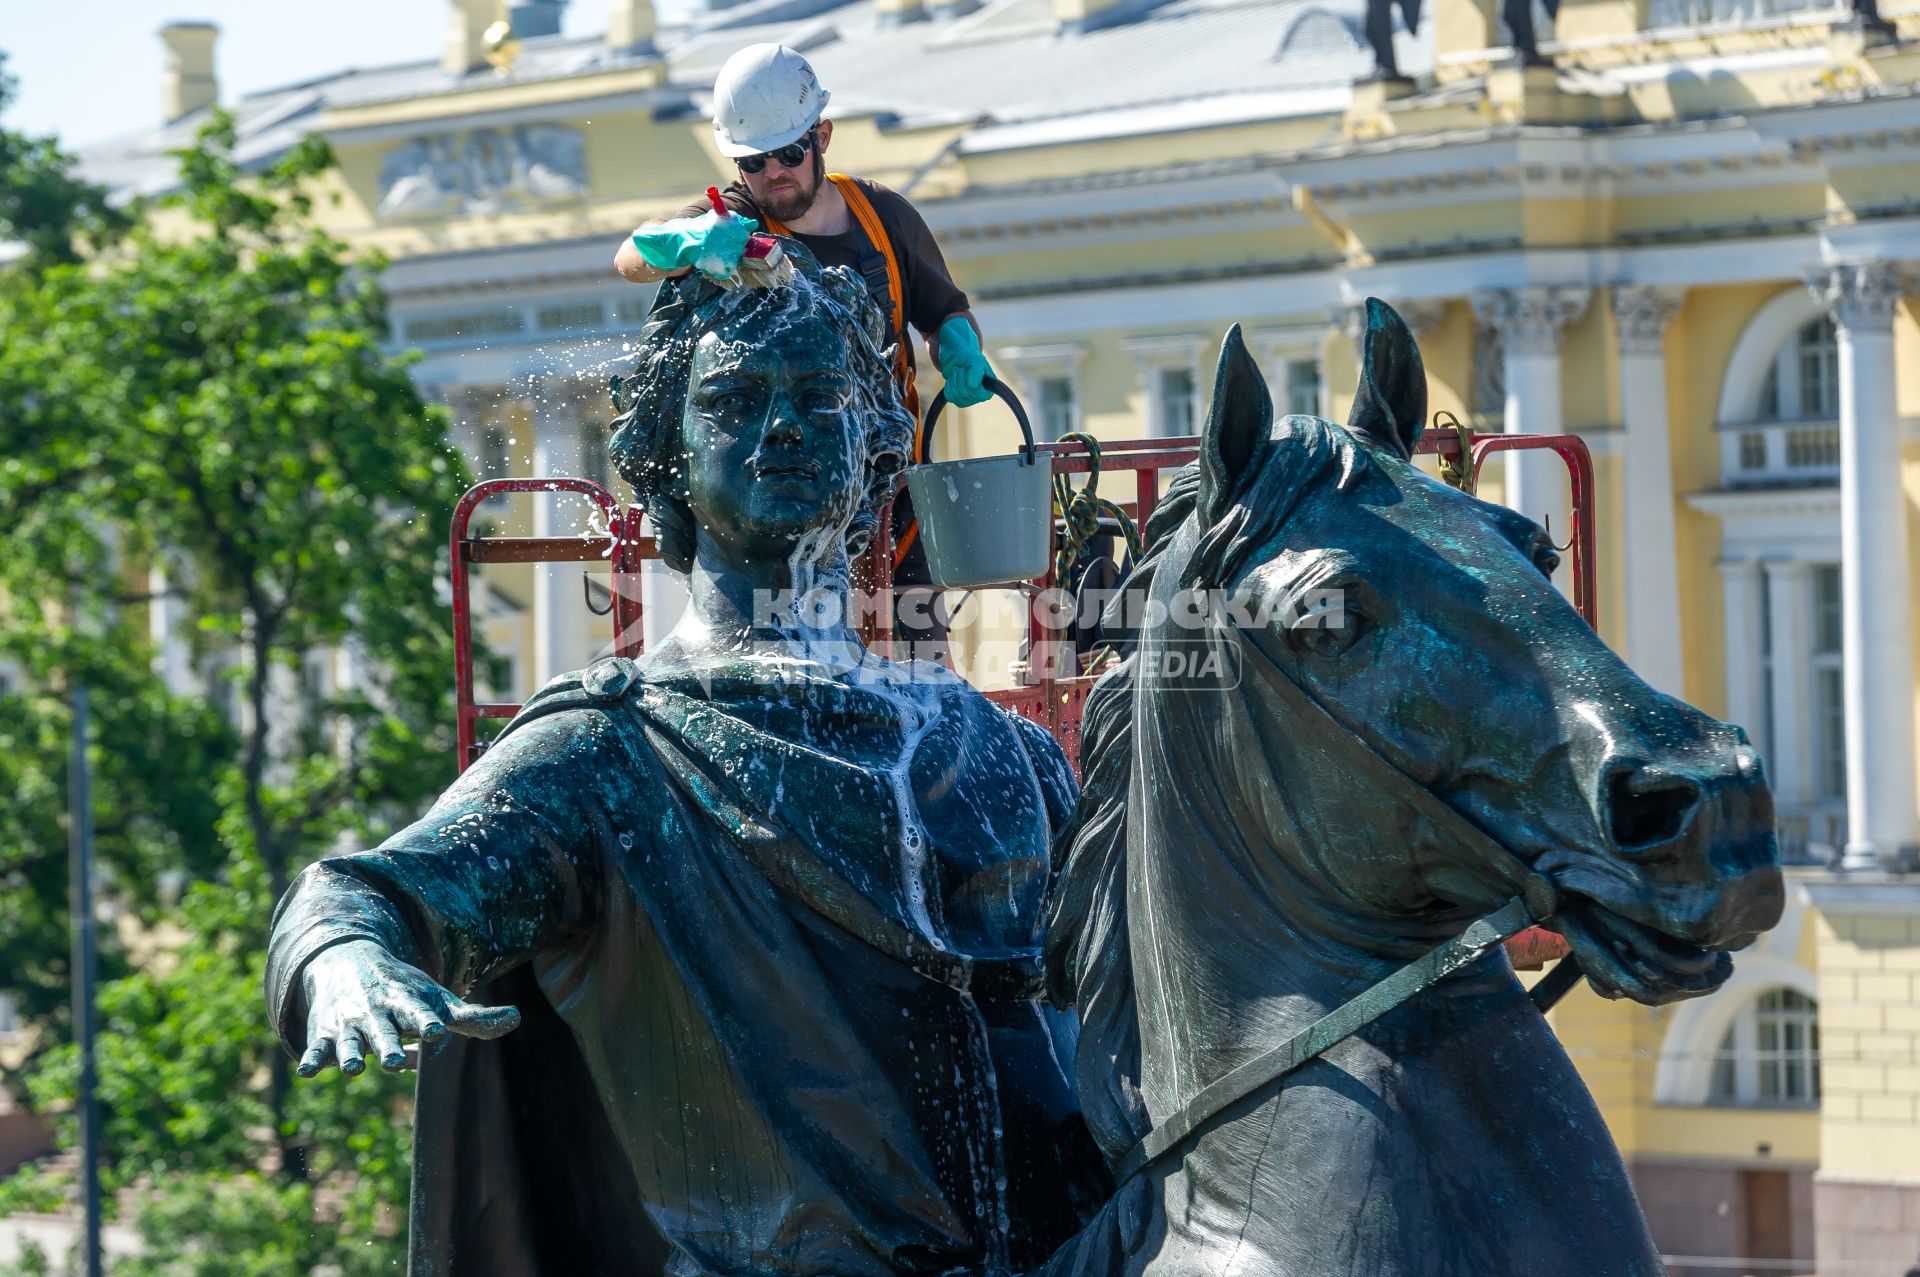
763,264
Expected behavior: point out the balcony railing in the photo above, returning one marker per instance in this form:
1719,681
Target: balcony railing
1780,454
1813,835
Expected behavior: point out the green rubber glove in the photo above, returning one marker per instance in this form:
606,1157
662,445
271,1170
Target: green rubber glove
962,364
709,243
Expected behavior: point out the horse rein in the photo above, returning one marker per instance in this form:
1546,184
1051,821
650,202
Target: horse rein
1323,1034
1537,901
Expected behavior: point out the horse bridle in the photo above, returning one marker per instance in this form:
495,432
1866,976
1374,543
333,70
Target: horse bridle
1537,901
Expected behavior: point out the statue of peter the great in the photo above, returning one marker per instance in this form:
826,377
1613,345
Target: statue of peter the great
766,908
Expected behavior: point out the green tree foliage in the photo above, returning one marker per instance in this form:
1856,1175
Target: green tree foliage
216,405
43,204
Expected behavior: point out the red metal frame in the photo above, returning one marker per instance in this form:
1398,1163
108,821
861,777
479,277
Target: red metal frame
622,548
1573,451
1055,703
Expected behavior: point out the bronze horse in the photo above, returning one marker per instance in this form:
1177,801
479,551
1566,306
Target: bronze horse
1327,802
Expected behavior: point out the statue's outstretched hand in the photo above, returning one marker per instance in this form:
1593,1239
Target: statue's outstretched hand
361,1001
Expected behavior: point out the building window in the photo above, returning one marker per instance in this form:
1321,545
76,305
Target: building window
1794,437
1303,387
594,462
1787,1029
1174,391
494,442
1048,378
1770,1054
1818,354
1829,709
1169,367
1290,361
9,1017
1057,407
1803,382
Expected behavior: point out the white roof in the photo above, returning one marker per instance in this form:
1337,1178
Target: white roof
1182,64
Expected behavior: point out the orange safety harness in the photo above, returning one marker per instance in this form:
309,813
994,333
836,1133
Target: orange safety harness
863,212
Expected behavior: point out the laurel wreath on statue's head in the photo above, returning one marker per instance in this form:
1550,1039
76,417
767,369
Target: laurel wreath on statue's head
647,448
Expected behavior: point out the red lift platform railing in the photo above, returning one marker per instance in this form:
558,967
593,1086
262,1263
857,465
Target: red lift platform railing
1055,703
621,547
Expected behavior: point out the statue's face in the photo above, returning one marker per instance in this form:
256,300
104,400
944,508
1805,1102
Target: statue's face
772,439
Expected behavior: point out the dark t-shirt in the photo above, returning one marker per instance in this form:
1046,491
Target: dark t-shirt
930,293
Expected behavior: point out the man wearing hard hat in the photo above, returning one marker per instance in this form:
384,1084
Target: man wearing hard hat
767,105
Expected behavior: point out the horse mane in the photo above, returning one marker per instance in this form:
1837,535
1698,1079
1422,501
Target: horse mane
1088,957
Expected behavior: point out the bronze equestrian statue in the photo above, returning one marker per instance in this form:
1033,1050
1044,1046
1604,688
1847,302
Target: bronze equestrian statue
769,907
767,911
1264,849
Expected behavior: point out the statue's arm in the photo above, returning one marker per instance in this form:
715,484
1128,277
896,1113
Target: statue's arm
371,949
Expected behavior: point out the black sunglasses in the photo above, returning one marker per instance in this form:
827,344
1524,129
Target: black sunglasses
789,155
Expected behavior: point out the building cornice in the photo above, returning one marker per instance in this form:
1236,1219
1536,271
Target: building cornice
1861,893
373,131
1823,502
483,93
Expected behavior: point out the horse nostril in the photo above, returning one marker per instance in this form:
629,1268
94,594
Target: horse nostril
1649,810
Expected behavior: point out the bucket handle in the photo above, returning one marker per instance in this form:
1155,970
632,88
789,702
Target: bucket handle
1001,390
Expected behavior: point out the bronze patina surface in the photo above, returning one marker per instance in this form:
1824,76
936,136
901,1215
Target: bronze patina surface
1269,834
769,907
771,910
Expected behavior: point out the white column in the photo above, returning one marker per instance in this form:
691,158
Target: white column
1875,587
1789,746
1740,588
663,599
1531,322
166,626
557,598
1646,478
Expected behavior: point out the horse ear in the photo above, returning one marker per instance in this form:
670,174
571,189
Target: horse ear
1238,422
1390,406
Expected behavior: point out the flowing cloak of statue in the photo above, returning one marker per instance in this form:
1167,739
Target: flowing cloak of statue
774,939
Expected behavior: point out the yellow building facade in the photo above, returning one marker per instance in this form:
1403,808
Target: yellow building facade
1688,239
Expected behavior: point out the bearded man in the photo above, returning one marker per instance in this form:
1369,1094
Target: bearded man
768,119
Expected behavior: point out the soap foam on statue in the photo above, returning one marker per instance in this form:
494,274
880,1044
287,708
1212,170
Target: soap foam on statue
762,265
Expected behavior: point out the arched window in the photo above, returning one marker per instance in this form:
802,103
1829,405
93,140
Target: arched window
1790,435
1803,383
1770,1054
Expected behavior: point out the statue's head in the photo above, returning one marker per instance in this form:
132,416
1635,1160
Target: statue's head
762,419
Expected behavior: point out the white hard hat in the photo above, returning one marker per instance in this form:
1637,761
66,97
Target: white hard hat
766,96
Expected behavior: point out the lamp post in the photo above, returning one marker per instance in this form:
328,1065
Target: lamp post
85,974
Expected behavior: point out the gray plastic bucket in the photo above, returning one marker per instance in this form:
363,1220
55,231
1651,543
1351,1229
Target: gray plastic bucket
986,521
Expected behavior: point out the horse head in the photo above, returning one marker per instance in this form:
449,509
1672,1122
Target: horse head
1395,724
1424,623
